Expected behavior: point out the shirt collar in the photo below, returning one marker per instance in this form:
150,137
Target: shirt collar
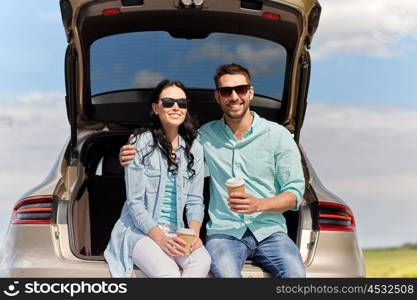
256,120
182,142
254,125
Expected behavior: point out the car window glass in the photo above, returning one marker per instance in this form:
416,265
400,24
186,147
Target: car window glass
142,59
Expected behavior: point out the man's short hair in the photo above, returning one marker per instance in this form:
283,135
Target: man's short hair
231,69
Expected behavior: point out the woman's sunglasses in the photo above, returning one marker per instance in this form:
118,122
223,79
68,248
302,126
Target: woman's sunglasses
241,90
169,102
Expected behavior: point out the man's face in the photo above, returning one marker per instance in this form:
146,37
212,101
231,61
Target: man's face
234,102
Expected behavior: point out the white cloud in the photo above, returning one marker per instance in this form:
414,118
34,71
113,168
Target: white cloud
365,155
36,98
381,28
260,61
210,50
50,16
147,79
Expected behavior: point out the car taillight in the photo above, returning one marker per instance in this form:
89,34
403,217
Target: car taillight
335,217
271,16
111,11
33,210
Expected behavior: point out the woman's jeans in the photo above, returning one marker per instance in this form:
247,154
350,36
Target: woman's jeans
277,254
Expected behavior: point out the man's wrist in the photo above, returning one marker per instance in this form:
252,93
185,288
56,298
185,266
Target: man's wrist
261,204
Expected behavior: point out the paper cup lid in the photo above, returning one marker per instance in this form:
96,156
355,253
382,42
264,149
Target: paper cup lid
234,182
186,231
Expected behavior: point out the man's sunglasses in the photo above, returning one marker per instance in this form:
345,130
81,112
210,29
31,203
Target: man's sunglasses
169,102
241,90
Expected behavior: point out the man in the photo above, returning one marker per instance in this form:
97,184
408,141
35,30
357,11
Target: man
264,154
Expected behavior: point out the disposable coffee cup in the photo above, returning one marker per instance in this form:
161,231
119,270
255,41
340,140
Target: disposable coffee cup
235,184
188,235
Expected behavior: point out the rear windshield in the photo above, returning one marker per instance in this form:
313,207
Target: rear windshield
142,59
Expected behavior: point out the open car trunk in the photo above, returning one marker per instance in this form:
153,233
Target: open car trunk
100,198
102,195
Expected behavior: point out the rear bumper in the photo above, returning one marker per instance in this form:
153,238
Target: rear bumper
336,254
29,251
26,254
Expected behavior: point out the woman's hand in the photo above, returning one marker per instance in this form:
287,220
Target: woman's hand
173,246
197,243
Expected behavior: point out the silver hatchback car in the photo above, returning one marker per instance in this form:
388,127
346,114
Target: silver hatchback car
117,51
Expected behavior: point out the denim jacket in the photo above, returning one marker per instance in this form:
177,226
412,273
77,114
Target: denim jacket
145,188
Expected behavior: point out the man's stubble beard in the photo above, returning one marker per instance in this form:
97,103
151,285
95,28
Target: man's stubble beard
237,117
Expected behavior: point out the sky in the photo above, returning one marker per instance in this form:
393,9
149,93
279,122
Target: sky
359,132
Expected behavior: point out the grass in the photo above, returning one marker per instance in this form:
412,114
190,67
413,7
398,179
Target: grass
391,262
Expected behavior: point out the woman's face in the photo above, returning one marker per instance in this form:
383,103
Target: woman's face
172,116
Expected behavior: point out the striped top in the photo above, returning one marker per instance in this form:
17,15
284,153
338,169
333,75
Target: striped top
169,205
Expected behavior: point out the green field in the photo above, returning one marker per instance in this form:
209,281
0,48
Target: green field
392,262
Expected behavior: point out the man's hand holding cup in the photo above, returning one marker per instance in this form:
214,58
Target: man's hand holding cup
239,201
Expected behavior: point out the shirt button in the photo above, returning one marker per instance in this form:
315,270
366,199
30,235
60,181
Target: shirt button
247,222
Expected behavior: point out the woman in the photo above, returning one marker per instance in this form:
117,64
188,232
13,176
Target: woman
165,178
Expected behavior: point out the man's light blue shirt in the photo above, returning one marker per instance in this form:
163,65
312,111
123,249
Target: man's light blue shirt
269,161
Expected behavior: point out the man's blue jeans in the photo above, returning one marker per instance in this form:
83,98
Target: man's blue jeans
277,254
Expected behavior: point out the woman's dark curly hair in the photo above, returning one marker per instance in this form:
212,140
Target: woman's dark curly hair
187,130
